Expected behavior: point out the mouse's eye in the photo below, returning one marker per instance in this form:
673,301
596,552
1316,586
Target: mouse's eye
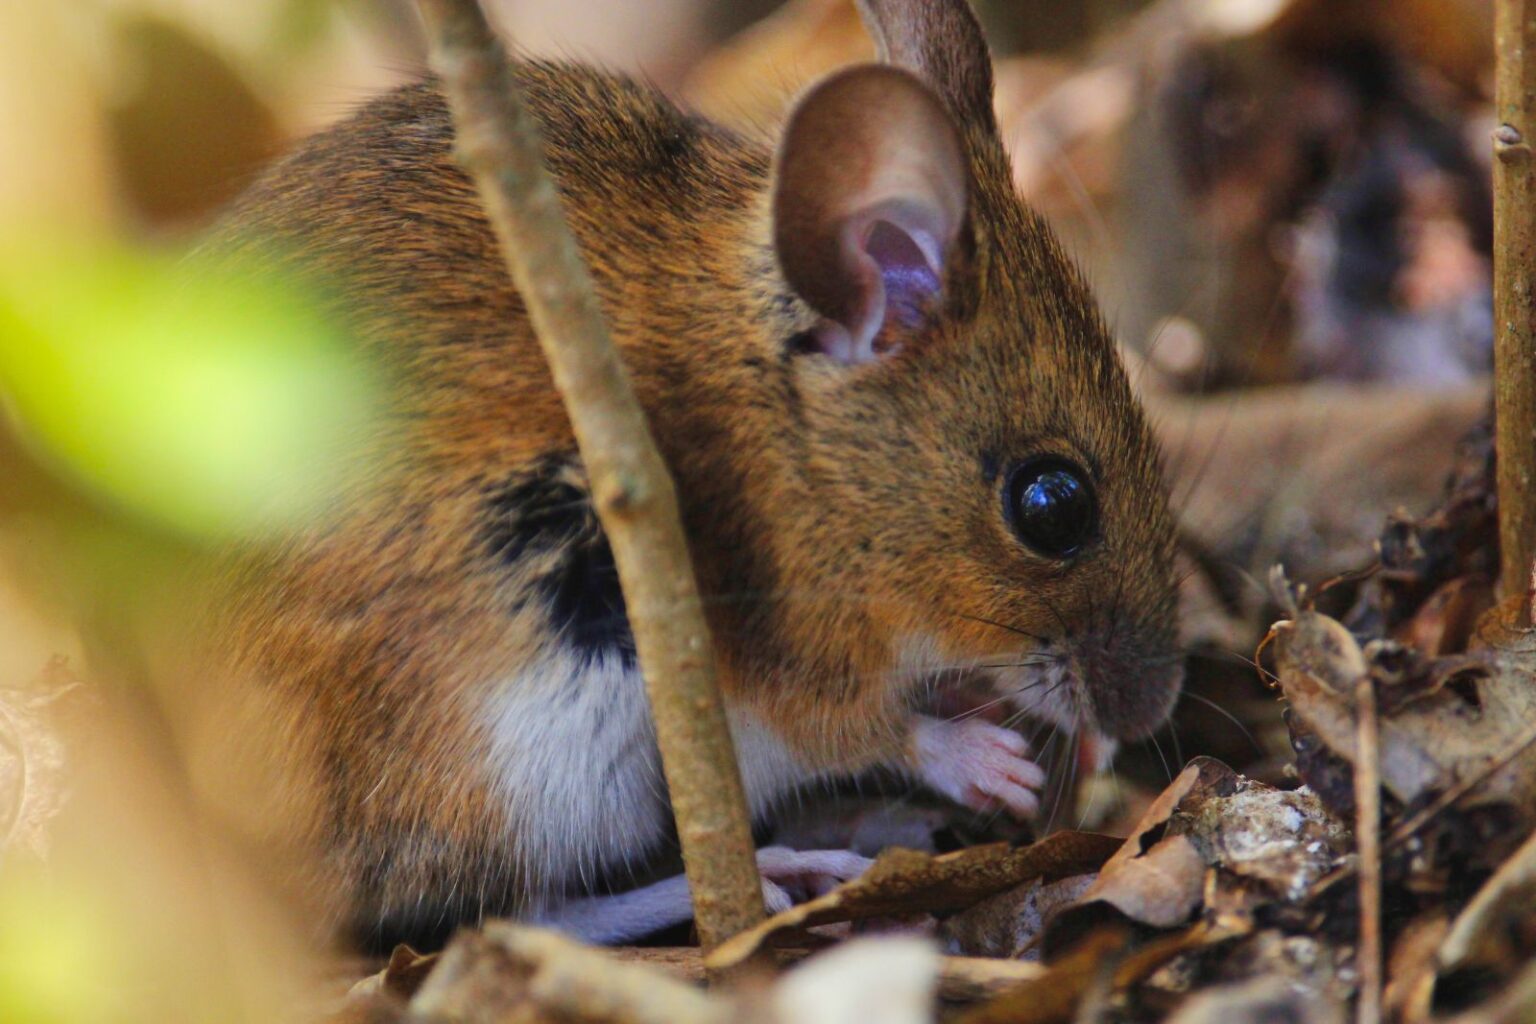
1051,505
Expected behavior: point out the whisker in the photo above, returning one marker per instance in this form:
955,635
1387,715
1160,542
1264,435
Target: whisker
1004,626
1063,787
1258,748
1088,810
1260,669
1032,663
1022,713
1178,750
1164,760
973,712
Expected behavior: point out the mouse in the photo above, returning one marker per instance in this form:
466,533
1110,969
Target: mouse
905,448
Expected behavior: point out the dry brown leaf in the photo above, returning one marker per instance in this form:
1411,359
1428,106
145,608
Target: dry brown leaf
400,977
1212,838
966,979
1153,878
1160,887
1010,924
1515,1005
1445,621
1434,735
903,883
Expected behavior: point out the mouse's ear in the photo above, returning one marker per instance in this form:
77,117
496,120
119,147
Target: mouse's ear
869,197
941,42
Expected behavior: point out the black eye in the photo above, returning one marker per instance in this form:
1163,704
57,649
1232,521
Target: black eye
1051,506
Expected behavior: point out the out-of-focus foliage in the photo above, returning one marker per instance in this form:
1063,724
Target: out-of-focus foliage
143,909
211,400
40,966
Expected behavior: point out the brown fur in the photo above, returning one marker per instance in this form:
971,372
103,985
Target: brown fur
834,511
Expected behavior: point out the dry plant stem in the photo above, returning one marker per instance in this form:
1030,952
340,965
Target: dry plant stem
1407,829
1368,851
1514,288
500,144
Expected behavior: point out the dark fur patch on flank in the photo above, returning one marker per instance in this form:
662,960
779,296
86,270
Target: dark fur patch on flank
546,517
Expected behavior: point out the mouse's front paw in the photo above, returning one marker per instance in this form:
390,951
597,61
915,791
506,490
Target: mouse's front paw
794,876
977,764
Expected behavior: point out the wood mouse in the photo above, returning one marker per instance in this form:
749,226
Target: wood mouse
904,446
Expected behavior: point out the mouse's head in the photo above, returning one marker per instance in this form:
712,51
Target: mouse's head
974,460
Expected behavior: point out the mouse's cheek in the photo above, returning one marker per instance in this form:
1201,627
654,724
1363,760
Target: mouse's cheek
977,764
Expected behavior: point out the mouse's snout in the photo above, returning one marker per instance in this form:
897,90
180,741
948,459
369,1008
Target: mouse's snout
1132,674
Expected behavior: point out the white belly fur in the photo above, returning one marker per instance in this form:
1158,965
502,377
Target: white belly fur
573,755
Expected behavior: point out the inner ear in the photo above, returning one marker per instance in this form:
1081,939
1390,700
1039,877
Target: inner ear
869,198
909,276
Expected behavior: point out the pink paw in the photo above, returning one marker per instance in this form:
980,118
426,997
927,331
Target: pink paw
979,765
794,876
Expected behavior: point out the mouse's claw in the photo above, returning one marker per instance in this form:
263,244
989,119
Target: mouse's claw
978,765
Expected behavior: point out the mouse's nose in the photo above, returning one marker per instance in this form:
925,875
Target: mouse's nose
1132,680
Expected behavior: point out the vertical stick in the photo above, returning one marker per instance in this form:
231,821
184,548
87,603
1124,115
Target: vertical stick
1368,850
500,144
1514,291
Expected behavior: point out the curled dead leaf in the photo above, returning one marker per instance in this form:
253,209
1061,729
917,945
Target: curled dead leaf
1456,718
1154,879
400,977
1160,888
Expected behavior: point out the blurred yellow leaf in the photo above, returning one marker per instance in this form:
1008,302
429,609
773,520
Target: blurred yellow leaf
208,399
56,957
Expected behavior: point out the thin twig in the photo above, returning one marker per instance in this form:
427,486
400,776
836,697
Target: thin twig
1452,795
500,144
1368,850
1514,290
1406,830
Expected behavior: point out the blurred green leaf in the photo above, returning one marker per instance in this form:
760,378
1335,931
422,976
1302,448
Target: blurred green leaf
214,401
56,961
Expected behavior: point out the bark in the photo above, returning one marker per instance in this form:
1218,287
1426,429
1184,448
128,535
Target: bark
500,144
1514,278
